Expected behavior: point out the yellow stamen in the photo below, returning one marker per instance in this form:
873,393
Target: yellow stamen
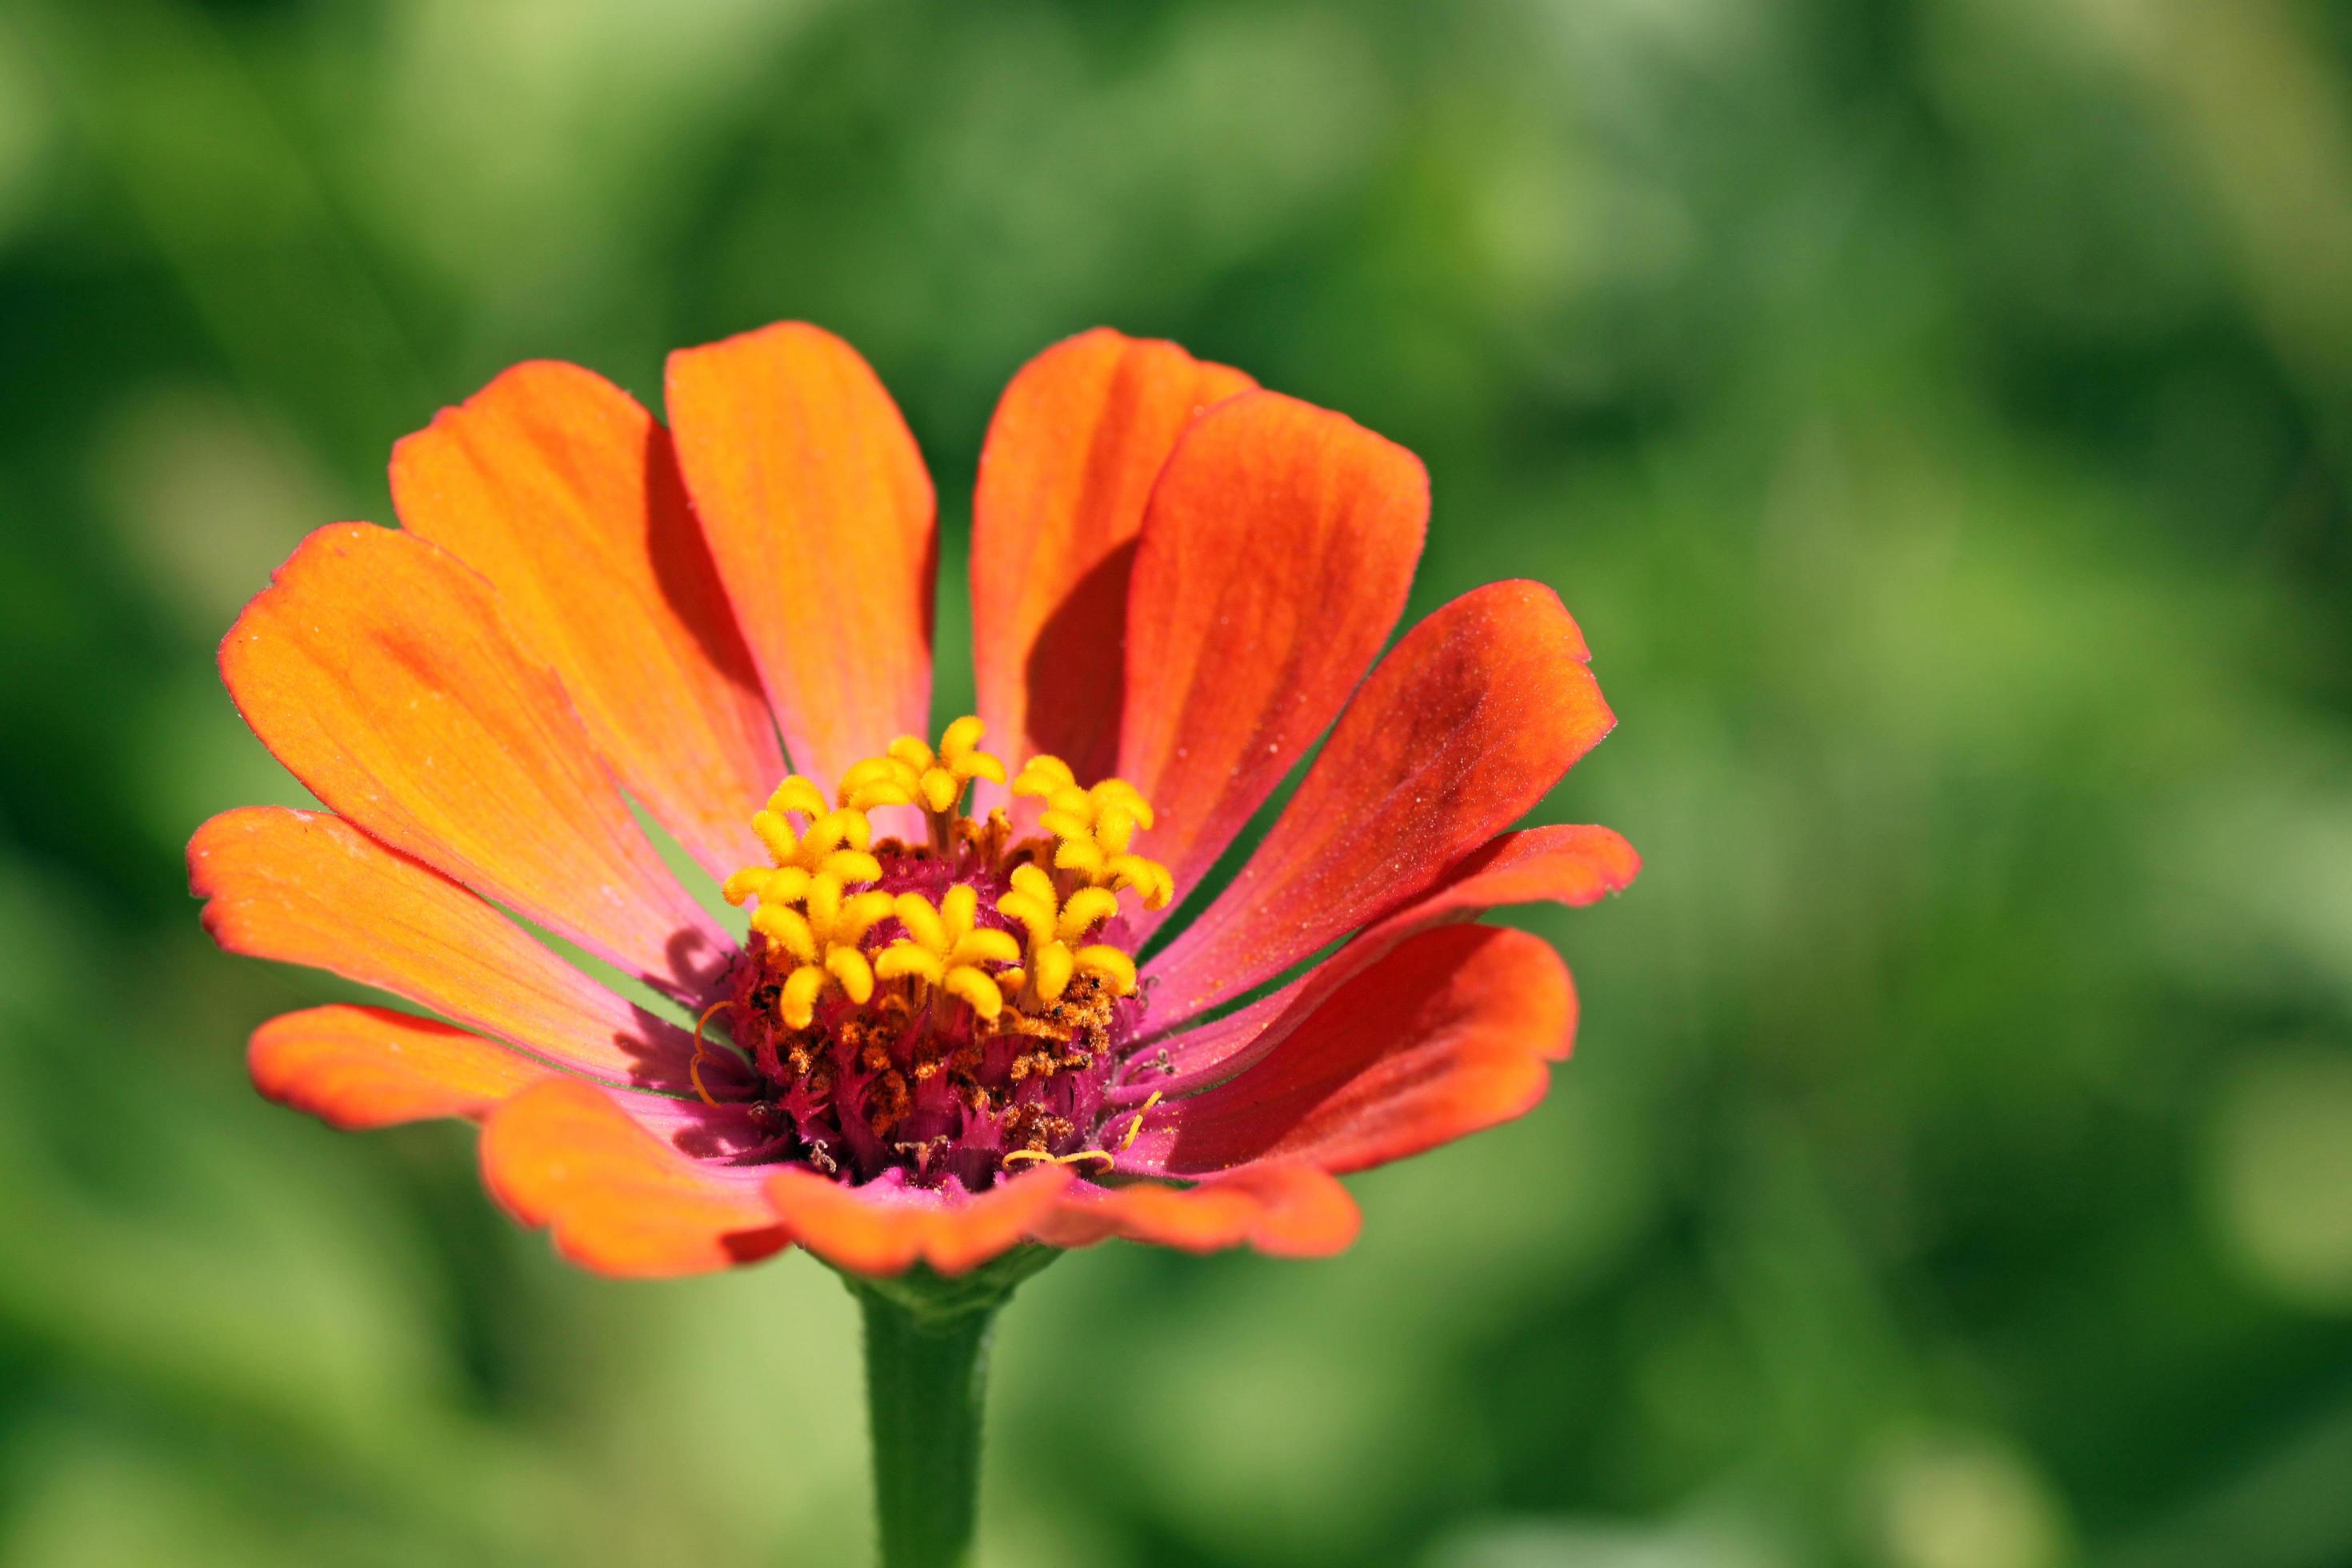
834,845
1135,1128
1094,830
1107,964
818,929
912,773
946,945
825,935
975,987
1053,925
1021,1156
694,1067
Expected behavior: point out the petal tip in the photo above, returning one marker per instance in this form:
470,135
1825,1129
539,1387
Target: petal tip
618,1200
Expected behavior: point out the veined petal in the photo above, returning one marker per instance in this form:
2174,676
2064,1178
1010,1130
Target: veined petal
380,672
620,1200
1079,437
1451,1032
303,887
887,1227
1573,866
1284,1210
556,486
361,1068
1469,721
1274,560
819,513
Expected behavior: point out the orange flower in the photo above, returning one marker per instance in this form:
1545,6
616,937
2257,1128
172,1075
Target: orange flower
938,1041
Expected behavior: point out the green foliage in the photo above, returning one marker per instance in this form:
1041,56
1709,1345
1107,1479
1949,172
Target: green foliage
1937,412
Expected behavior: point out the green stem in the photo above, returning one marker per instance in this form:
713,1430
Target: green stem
924,1387
925,1377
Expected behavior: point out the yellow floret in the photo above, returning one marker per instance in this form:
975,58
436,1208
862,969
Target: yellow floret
824,936
912,773
946,946
1057,928
833,845
818,929
1095,828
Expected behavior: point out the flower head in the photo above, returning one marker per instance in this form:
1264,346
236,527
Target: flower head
940,1035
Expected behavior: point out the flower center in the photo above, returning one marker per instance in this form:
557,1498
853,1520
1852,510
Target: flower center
952,1007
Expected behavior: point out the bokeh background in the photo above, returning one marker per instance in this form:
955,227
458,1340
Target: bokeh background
1938,413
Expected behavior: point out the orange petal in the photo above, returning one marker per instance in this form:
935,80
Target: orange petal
556,486
1471,718
1079,437
1273,561
1288,1211
302,886
381,673
885,1228
620,1201
1451,1033
1573,866
819,514
361,1068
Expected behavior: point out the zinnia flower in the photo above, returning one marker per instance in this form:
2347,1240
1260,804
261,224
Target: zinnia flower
964,1017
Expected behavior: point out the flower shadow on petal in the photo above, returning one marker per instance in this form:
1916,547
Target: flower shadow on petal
683,568
1077,695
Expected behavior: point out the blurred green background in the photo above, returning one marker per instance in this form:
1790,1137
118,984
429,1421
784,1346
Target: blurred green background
1938,413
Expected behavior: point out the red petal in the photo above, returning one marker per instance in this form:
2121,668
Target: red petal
1572,866
1079,438
1451,1033
819,514
620,1201
1273,561
1465,724
380,672
885,1228
1288,1211
556,486
360,1068
302,886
